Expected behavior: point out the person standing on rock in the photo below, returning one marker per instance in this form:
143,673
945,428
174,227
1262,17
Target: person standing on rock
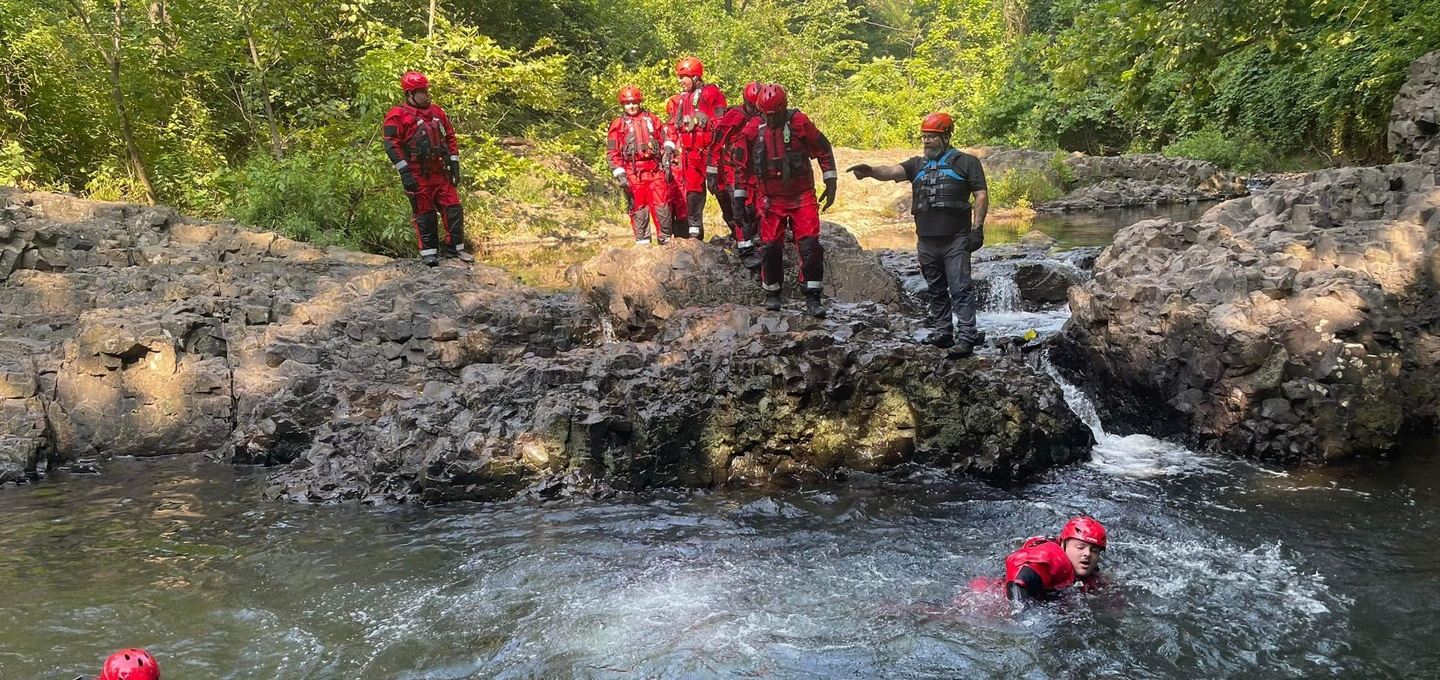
775,152
1044,567
640,155
949,202
420,142
678,214
700,106
744,220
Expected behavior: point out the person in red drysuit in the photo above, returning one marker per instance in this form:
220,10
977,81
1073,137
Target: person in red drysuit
1043,567
776,149
744,220
701,105
640,153
420,142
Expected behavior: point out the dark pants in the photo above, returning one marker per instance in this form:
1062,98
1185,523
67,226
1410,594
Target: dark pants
695,212
945,264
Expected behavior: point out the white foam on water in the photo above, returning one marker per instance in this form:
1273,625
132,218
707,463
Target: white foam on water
607,329
1004,292
1137,456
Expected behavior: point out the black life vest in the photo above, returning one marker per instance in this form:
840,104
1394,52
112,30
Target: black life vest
783,163
939,185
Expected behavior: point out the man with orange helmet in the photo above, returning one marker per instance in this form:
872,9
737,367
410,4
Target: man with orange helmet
640,152
420,141
130,664
776,149
944,183
743,220
701,106
1043,567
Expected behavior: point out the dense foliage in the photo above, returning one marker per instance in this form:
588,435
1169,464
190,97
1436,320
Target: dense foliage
269,112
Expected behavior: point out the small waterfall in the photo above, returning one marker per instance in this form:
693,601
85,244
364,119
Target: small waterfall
1135,455
1004,295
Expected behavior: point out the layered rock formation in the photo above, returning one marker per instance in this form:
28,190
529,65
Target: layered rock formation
128,330
1414,132
1300,323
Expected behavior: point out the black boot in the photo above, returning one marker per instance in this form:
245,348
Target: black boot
814,304
430,260
773,301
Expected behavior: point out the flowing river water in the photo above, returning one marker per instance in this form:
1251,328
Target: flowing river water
1218,568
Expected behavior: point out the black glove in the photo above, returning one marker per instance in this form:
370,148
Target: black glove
407,180
712,182
861,170
621,178
976,238
827,199
667,159
454,167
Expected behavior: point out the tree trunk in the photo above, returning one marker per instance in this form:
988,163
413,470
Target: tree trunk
117,93
430,30
112,58
275,147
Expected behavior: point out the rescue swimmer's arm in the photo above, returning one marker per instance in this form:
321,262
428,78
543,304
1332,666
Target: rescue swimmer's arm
819,148
1026,590
884,173
613,140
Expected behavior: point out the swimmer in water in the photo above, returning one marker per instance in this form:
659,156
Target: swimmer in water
1044,567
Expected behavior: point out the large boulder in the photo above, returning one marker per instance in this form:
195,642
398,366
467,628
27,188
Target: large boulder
638,289
725,396
1414,132
1299,324
128,330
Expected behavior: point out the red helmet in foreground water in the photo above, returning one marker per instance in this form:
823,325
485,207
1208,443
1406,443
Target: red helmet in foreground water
1087,529
130,664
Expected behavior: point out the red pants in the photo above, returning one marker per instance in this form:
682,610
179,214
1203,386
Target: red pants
436,197
802,214
649,195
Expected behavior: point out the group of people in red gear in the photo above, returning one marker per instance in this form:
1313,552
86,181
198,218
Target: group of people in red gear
754,159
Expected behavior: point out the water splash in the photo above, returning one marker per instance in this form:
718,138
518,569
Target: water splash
1137,455
1004,294
607,330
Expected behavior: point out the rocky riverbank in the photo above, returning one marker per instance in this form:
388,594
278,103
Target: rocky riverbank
129,330
1299,323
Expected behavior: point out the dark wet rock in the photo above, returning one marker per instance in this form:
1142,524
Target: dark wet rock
640,288
725,396
1302,323
130,330
1011,277
1414,133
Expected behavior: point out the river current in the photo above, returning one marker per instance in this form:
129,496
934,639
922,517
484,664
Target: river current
1217,568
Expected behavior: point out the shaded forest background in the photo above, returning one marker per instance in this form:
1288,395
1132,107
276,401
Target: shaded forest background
269,112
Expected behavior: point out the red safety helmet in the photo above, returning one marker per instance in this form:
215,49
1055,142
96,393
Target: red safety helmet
1087,529
631,95
689,66
938,123
414,80
132,664
772,98
752,92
